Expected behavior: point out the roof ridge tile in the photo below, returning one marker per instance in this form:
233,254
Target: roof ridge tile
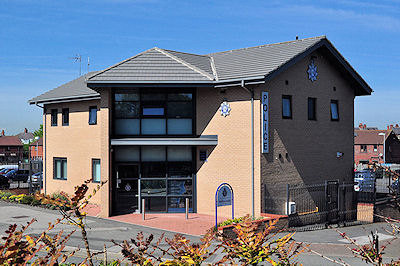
269,44
186,64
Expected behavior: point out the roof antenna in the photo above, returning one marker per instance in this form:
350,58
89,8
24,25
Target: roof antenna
297,37
88,64
78,58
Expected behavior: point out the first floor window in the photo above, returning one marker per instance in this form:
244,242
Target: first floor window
286,106
312,103
65,116
96,170
54,117
334,110
93,115
375,148
363,148
60,168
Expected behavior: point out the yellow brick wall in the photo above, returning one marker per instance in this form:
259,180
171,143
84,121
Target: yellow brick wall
230,160
79,143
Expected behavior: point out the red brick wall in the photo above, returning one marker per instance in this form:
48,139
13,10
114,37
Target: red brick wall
370,155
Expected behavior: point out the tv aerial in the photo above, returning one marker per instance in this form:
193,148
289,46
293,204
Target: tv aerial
78,58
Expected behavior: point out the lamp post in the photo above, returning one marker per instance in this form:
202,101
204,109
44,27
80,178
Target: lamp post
384,149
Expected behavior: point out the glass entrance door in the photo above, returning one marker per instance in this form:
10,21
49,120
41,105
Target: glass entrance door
126,189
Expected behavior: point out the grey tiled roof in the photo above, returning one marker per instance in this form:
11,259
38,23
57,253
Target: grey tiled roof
166,66
76,88
156,65
259,60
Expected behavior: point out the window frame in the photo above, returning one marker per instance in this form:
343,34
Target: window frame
288,97
314,101
54,117
62,159
337,109
161,103
95,160
363,150
65,114
90,111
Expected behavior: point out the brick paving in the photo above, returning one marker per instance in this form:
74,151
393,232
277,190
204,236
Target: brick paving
196,225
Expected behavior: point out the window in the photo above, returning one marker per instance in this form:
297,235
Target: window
334,110
65,116
363,148
375,148
312,104
60,168
286,106
153,113
96,170
92,115
54,117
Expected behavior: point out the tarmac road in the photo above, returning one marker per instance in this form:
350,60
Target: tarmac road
101,231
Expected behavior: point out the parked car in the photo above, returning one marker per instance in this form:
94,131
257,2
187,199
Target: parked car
37,178
395,185
364,181
4,171
17,175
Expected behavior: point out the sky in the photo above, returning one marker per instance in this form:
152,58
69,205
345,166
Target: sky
39,38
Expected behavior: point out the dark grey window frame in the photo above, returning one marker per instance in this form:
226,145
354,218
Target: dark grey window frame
337,108
62,159
288,97
90,112
65,116
166,178
156,103
313,115
54,117
93,162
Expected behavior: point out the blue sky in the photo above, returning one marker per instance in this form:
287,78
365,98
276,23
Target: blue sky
38,37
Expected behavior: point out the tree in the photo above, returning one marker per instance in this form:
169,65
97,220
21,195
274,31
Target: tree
39,132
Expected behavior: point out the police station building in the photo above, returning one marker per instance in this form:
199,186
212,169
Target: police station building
166,126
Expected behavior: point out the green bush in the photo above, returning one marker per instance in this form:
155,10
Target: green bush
36,202
27,199
237,220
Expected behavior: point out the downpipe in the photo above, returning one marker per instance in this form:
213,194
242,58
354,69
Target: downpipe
252,146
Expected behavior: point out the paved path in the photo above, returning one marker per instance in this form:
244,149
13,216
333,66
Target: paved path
100,231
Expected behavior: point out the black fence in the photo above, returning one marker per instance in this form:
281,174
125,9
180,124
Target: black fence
323,204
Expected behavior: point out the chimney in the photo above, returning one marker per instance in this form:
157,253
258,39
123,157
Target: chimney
2,133
25,130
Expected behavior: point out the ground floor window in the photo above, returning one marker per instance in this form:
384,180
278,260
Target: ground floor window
60,168
162,175
96,170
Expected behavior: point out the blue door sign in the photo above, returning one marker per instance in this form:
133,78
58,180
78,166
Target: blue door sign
223,197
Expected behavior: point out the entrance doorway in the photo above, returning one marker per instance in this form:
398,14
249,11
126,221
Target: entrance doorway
126,189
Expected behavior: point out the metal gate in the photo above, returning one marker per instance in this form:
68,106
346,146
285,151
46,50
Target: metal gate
332,201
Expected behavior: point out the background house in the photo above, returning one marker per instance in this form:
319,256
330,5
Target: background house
369,145
11,149
36,149
26,137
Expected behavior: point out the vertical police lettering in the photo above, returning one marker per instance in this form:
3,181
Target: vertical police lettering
264,117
